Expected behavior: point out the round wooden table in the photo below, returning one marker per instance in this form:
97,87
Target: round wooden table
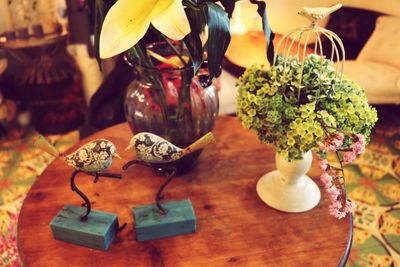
234,227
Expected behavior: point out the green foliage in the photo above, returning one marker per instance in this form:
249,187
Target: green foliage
294,107
218,37
98,10
199,14
198,20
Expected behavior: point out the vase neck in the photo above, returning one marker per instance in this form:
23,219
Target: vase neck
163,72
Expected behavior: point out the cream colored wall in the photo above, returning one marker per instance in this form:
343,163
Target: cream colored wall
283,16
391,7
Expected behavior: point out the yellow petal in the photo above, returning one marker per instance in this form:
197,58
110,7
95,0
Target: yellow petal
172,21
124,25
160,7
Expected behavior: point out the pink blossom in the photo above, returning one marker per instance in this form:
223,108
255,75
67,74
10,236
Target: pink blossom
338,140
326,179
340,136
324,164
333,185
322,146
333,192
358,148
331,148
361,139
336,204
350,206
336,212
337,143
349,157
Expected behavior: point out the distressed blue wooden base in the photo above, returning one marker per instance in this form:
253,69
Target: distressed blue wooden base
150,224
97,232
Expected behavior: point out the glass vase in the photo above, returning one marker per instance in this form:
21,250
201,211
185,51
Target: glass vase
172,103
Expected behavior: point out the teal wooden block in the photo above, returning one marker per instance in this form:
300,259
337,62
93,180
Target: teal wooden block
97,232
150,224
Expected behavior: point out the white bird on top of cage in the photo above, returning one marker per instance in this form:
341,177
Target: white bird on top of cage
318,13
289,45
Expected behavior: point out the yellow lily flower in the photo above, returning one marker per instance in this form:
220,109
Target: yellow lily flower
128,20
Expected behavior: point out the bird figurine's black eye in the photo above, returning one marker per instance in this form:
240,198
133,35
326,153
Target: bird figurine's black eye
96,148
149,141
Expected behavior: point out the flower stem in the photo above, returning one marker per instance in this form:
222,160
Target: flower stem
185,83
158,92
341,169
176,52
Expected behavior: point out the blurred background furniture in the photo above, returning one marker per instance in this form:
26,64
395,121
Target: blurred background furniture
372,55
48,82
377,67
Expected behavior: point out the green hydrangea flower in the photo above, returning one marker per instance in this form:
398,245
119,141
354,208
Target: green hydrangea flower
295,110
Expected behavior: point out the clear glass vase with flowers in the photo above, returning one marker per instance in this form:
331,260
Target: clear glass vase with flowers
163,40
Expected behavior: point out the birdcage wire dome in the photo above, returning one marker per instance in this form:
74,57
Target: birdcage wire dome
295,45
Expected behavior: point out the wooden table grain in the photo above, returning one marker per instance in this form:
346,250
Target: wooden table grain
235,228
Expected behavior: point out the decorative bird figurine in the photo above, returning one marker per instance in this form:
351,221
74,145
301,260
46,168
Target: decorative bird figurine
153,149
315,14
92,157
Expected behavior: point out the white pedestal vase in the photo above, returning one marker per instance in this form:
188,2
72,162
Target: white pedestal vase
289,188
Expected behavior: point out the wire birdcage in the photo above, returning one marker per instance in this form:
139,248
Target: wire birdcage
296,42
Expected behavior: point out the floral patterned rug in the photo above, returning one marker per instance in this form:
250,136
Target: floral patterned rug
20,165
373,182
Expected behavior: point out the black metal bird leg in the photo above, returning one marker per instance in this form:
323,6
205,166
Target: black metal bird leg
87,203
122,227
97,175
162,168
159,197
130,163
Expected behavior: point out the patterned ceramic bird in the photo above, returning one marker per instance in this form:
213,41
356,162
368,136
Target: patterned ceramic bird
316,14
92,157
153,149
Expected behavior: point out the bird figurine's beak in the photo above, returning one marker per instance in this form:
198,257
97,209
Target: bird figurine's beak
117,156
128,147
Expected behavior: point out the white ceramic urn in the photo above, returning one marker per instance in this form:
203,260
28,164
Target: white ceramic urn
289,188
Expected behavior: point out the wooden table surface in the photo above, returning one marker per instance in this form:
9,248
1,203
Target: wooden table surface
234,227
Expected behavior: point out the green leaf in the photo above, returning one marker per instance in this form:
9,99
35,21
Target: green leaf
269,35
190,4
98,12
193,44
229,6
197,21
218,37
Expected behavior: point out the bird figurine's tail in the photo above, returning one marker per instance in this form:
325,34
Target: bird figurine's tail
44,145
200,143
335,7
